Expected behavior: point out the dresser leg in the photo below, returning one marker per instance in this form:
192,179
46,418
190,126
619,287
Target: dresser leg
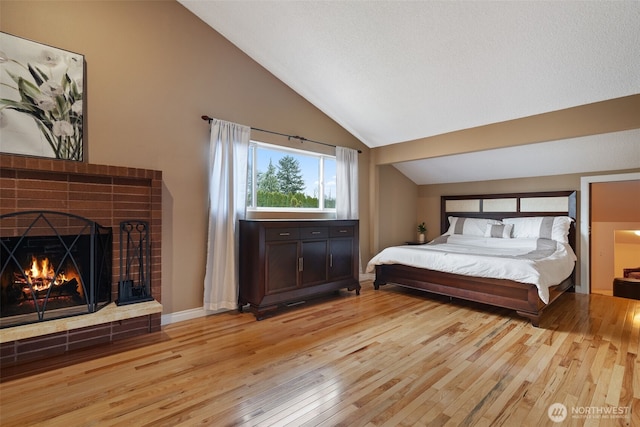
262,313
356,288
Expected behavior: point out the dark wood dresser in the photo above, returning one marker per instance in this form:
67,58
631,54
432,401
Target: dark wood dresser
285,262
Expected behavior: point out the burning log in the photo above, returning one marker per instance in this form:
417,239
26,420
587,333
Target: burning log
37,279
70,287
67,288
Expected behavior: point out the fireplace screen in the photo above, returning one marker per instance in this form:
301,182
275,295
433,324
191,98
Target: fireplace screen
52,265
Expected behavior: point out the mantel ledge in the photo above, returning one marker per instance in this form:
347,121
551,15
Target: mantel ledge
110,313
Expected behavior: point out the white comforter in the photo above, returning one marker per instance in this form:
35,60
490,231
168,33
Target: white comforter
541,262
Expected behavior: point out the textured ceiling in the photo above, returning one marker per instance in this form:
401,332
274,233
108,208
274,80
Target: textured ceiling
393,71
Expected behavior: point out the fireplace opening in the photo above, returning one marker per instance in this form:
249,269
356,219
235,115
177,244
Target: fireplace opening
52,265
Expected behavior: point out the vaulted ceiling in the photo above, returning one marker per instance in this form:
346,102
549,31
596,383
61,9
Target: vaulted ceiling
394,71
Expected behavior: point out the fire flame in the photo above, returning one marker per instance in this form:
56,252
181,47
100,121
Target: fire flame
41,275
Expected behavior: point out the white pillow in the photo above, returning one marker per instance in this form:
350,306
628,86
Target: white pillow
541,227
502,231
469,226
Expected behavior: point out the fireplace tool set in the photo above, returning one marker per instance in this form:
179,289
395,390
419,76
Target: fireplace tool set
135,266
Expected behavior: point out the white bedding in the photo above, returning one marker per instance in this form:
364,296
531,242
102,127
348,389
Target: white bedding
541,262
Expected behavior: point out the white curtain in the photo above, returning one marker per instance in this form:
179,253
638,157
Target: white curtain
229,149
346,183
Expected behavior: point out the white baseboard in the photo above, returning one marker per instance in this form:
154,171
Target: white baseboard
193,313
180,316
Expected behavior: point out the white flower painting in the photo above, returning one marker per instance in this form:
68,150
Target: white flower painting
41,100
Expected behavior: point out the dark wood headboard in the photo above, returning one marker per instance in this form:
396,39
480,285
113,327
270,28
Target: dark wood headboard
499,206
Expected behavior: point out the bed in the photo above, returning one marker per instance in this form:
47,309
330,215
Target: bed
482,233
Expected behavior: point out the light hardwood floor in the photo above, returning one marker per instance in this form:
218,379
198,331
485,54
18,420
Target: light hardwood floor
385,358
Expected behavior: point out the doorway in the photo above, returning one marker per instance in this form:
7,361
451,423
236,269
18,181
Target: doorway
609,203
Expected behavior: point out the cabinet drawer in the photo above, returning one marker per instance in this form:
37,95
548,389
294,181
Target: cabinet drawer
346,231
282,234
314,232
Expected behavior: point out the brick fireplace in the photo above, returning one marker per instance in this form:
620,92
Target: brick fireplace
107,195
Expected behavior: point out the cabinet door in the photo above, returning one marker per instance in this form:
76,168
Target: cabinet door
314,262
281,265
340,258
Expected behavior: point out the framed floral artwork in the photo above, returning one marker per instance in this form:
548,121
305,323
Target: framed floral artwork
41,100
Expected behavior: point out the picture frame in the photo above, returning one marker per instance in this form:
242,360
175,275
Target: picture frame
42,94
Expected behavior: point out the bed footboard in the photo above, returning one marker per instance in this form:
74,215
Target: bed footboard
521,297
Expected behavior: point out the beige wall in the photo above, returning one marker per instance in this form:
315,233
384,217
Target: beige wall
615,201
397,211
153,69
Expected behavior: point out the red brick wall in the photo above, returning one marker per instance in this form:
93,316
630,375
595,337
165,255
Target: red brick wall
104,194
14,353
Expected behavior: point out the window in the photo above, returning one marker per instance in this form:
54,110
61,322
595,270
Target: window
285,178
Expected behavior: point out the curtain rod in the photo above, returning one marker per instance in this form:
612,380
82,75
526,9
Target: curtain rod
301,138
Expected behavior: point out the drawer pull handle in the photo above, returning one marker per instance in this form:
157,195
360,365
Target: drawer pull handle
331,260
342,231
285,234
315,232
